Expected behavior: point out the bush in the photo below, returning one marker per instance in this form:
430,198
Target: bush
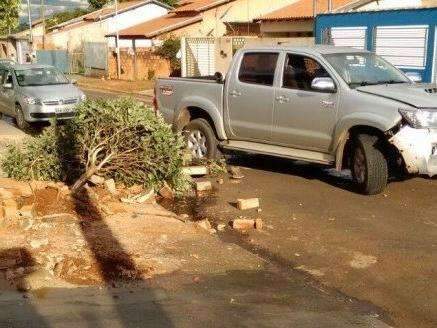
118,139
169,50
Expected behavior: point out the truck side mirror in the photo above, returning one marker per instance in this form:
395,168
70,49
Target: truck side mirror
324,84
218,77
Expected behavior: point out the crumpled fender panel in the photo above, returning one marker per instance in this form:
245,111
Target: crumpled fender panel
416,147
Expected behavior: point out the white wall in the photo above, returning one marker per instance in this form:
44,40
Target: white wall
134,17
389,4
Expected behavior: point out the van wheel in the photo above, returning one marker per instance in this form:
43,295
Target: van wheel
369,165
201,140
20,120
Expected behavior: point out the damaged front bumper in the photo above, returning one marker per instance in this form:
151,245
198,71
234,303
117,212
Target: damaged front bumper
418,148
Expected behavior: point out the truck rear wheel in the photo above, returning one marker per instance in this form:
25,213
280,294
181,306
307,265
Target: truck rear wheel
369,165
201,139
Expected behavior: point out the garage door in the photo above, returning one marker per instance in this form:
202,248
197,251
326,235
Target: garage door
200,56
403,46
354,37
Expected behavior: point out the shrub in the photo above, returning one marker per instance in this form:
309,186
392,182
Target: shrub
169,50
118,139
36,159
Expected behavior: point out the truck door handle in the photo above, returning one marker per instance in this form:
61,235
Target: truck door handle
235,93
283,99
327,104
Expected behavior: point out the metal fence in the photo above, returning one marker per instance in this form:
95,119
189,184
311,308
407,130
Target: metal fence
96,55
56,58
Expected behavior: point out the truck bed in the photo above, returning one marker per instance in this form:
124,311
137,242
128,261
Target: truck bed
173,94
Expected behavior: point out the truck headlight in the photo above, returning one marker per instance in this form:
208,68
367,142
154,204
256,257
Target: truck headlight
32,100
420,118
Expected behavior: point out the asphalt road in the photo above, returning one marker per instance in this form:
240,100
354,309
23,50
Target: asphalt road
380,249
96,94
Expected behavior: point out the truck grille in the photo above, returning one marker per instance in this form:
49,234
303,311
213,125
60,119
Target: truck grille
61,102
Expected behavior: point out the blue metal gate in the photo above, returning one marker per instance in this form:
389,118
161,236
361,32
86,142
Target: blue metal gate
57,58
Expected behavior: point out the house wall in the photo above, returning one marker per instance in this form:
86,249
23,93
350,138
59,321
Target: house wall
237,11
72,37
276,28
213,24
148,65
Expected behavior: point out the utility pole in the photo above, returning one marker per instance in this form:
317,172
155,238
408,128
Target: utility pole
43,19
314,8
329,6
117,40
29,16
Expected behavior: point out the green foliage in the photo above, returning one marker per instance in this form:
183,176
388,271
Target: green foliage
118,139
36,159
168,50
9,13
97,4
64,16
217,167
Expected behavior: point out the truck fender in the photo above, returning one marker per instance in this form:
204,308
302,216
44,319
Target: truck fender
182,116
342,131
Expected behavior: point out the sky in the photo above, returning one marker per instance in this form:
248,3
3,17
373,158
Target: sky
52,6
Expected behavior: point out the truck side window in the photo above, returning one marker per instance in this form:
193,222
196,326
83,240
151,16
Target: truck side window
300,71
258,68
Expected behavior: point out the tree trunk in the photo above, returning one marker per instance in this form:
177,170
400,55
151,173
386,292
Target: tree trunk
82,180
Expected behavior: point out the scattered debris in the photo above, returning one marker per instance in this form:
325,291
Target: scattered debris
110,186
361,261
313,272
97,180
259,224
195,170
139,199
203,186
10,208
37,243
235,173
166,192
6,194
206,225
220,181
247,204
243,224
27,211
221,227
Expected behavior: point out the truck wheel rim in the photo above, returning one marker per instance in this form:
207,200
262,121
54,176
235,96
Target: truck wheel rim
197,144
360,166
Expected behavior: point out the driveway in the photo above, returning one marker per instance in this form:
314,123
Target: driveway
381,249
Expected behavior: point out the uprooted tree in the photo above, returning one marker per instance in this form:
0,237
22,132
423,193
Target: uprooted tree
118,139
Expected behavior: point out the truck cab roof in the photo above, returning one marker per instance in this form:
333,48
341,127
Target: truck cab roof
318,49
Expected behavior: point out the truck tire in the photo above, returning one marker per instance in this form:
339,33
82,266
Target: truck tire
201,140
369,166
20,120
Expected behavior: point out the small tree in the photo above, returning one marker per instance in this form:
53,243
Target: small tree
169,50
9,13
119,139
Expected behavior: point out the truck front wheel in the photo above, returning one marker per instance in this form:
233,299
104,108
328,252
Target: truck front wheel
201,140
369,165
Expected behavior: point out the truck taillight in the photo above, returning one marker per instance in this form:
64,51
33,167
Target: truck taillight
155,101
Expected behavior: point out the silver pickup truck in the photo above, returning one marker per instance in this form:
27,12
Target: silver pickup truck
341,107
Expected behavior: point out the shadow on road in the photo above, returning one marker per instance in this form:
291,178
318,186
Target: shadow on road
115,264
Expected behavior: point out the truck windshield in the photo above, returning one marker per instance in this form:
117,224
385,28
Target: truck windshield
40,76
361,69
